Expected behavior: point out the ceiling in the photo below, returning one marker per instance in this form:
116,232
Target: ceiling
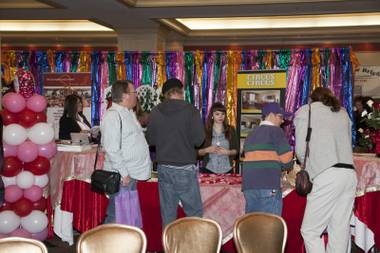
145,16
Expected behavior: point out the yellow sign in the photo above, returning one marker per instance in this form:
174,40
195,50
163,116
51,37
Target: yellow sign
261,80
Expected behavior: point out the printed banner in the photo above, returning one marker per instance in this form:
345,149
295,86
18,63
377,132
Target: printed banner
367,81
261,79
67,79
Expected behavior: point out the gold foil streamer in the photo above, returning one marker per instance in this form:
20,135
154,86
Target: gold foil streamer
315,60
161,72
84,62
120,66
199,68
51,60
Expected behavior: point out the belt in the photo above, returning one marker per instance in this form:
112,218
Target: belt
344,165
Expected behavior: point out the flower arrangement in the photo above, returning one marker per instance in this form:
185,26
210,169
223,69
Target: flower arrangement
370,136
148,97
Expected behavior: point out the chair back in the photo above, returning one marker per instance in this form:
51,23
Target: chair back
113,238
21,245
192,235
260,232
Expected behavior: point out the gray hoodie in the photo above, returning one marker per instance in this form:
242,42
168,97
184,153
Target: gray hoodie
175,128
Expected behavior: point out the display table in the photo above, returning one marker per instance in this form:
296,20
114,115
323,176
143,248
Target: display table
366,221
77,206
223,201
74,204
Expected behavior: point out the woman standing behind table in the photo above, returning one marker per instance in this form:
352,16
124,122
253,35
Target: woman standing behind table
221,144
71,120
330,166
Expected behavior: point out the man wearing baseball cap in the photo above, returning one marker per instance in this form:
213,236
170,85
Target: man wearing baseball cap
175,128
267,152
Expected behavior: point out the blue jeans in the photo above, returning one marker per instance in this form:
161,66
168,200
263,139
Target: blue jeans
263,200
111,213
176,185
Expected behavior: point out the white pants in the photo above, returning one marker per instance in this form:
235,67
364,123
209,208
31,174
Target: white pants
329,205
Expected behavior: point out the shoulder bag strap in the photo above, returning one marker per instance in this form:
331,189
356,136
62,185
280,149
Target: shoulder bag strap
97,149
308,136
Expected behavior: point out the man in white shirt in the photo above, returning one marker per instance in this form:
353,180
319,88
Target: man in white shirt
123,140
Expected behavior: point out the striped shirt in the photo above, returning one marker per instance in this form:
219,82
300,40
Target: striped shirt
267,151
128,153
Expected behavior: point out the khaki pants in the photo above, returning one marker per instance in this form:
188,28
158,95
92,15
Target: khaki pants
329,205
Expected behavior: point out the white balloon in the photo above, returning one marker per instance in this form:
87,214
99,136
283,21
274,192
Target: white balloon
35,222
41,180
14,134
9,221
41,133
8,180
25,179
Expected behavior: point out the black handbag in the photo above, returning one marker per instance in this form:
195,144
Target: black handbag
103,181
303,182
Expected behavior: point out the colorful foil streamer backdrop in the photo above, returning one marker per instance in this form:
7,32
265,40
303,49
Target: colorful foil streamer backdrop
208,76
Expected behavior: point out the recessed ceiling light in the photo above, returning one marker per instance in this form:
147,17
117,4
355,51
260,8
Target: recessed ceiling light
50,26
278,22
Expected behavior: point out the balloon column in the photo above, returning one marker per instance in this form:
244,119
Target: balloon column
28,145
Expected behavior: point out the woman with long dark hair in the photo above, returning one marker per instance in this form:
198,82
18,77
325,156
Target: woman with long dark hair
221,144
330,166
72,118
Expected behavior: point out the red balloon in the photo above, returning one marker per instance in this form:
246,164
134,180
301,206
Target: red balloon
40,204
39,166
23,207
6,206
41,117
27,118
12,166
8,117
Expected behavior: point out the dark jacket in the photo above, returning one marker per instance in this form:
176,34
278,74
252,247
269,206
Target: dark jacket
176,129
67,126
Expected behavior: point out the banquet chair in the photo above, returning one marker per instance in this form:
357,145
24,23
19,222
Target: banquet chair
21,245
192,235
260,232
113,238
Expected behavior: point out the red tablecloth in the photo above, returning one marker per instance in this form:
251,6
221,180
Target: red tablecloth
71,171
367,208
88,207
150,210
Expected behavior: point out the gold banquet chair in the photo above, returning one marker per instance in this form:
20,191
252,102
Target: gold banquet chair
192,235
113,238
260,232
21,245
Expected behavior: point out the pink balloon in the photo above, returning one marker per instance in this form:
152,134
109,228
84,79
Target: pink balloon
47,150
36,103
9,150
41,236
14,102
12,193
33,193
19,232
27,151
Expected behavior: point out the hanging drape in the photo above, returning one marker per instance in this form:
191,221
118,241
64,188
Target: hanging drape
208,76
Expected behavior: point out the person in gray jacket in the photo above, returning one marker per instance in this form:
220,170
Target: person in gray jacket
176,130
330,166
